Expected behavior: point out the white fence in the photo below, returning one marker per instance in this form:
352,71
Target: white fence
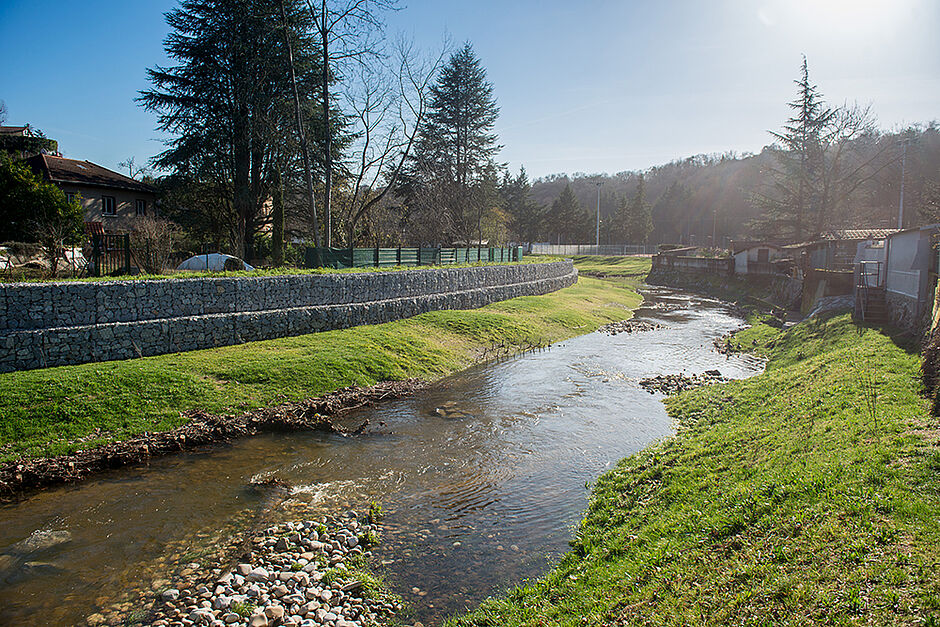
616,250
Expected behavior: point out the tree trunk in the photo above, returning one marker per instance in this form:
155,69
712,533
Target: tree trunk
277,216
304,148
328,137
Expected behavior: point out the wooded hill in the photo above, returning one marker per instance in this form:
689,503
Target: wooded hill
694,197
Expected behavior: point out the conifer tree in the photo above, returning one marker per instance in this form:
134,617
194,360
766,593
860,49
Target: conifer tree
794,199
454,156
228,105
565,217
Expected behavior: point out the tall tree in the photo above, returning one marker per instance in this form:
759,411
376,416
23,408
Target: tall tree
346,30
525,214
793,199
636,217
227,102
454,155
565,218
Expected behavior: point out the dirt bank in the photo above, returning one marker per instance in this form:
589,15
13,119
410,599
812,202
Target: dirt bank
18,477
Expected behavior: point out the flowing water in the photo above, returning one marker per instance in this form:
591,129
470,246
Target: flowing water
482,477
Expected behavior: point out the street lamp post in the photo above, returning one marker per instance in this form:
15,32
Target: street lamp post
597,225
901,201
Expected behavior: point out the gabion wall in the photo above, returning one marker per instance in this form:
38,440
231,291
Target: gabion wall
56,324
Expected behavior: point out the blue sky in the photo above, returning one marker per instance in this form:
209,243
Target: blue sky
593,86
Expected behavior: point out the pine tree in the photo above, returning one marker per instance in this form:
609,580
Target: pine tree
228,103
565,218
795,199
454,154
526,215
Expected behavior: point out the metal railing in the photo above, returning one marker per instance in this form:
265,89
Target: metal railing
389,257
607,250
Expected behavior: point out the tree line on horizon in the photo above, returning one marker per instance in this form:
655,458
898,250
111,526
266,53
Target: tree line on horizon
827,169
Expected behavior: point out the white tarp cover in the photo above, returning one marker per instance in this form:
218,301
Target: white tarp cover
214,262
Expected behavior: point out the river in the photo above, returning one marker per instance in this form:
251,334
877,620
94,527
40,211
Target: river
482,477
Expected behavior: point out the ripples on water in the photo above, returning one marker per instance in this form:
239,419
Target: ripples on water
482,477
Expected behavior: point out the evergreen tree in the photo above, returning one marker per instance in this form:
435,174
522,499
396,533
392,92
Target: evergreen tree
228,103
637,217
454,154
566,218
794,200
525,214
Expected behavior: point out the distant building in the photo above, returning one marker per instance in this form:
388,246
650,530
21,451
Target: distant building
23,141
836,250
756,257
107,196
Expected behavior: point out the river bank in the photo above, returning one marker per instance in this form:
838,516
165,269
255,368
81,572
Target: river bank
809,493
57,411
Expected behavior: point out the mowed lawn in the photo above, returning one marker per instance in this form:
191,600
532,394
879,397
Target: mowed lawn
57,410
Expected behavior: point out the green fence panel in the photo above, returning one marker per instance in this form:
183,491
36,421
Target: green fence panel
388,257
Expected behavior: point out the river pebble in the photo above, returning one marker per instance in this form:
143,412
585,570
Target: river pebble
675,383
295,574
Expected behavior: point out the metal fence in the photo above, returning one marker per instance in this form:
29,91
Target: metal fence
388,257
110,254
608,250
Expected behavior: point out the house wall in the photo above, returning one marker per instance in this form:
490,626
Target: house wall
908,276
54,324
124,200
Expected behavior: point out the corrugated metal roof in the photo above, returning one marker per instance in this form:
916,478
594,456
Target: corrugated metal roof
851,234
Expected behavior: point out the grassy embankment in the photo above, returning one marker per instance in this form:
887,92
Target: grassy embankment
810,493
58,410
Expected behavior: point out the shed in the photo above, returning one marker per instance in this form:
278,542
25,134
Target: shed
756,257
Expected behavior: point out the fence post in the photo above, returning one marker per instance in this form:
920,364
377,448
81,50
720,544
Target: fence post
376,256
96,253
127,253
399,255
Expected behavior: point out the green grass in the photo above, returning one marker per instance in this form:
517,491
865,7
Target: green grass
596,265
58,410
781,500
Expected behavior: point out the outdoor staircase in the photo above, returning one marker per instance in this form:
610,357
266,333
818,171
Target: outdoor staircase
871,305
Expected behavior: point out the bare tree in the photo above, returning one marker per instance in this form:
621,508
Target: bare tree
387,107
301,135
349,31
850,157
152,243
134,170
3,112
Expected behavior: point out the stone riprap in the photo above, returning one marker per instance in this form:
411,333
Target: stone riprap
297,575
57,324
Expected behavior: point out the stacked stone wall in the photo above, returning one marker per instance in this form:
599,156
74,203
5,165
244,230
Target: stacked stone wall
55,324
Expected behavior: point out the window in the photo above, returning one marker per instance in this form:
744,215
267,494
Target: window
763,255
70,197
141,207
108,206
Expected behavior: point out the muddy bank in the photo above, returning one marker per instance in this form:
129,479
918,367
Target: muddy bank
20,476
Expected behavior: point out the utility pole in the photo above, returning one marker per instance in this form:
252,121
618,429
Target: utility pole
597,226
901,203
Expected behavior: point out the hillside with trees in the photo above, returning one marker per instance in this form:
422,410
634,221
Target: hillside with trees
827,168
